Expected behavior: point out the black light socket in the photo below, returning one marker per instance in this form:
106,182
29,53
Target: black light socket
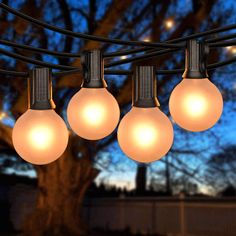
195,60
93,69
40,89
144,87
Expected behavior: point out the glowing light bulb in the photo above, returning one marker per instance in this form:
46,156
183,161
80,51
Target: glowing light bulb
123,57
196,104
147,39
40,136
145,134
231,49
169,23
93,113
3,115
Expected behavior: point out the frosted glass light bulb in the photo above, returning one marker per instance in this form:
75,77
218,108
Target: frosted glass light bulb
93,113
145,134
196,104
40,136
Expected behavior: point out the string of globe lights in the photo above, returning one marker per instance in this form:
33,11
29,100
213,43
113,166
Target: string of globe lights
145,134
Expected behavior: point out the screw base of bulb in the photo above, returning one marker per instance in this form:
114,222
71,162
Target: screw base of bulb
40,89
146,103
144,87
195,66
93,66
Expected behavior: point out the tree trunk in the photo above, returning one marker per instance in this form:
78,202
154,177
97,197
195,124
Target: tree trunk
62,186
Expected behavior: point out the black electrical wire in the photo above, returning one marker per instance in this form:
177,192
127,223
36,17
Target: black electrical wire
65,54
163,51
35,62
70,68
111,54
64,67
84,36
225,37
14,73
26,74
140,58
122,72
153,53
220,64
175,71
192,36
104,39
40,50
223,44
68,72
126,52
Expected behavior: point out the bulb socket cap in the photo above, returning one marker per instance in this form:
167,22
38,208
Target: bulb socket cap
40,89
93,69
195,60
144,87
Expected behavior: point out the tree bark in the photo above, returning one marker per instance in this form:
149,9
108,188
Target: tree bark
61,185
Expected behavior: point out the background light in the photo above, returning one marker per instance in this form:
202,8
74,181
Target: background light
93,113
196,104
169,23
40,136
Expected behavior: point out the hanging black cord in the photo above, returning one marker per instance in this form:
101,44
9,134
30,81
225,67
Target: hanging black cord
65,54
142,49
40,50
120,62
223,44
112,54
154,53
122,72
103,39
35,62
64,67
85,36
225,37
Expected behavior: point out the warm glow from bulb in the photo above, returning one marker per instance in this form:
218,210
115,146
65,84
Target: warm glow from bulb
196,104
93,113
145,134
40,136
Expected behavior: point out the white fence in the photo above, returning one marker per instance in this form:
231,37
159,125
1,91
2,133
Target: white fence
164,216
